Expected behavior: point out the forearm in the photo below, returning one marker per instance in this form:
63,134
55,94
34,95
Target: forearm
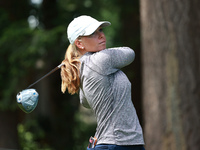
121,56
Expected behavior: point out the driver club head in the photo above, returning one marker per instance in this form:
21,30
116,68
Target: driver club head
27,100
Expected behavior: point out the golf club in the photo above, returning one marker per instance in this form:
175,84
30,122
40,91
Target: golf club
52,71
27,99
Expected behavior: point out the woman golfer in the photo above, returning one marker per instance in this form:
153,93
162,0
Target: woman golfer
94,73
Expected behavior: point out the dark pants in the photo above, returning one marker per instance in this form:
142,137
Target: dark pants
116,147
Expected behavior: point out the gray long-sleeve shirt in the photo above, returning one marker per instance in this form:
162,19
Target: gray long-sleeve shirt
107,91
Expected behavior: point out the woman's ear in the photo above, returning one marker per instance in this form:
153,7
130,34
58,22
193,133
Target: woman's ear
79,44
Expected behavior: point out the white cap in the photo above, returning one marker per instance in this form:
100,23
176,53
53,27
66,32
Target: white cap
83,26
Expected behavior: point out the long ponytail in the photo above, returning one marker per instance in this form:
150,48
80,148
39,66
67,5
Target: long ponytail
70,70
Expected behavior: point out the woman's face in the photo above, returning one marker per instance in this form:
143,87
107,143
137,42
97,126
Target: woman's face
92,43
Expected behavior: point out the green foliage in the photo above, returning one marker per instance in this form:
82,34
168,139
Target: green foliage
31,135
20,49
14,48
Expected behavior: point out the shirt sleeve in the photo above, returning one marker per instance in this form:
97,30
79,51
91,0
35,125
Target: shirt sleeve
110,60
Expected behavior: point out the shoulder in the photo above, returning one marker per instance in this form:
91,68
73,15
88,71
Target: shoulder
110,53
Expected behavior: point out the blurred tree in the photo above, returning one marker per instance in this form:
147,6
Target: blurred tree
11,67
171,71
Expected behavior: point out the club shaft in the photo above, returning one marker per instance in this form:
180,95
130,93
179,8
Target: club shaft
46,75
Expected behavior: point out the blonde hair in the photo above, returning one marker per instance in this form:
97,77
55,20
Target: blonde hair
70,70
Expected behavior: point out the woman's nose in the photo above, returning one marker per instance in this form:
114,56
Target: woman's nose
101,34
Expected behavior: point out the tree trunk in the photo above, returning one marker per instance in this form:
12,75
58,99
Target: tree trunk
171,74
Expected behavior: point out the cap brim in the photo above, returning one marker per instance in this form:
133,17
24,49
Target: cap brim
91,29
